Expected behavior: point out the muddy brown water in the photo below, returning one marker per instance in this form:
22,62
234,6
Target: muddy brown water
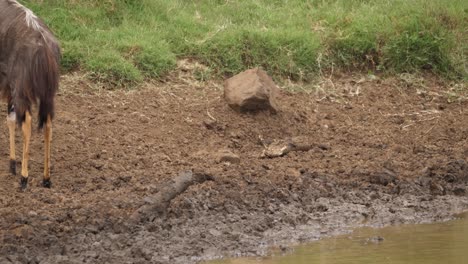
445,242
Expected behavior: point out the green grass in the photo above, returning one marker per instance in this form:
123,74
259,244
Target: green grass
127,41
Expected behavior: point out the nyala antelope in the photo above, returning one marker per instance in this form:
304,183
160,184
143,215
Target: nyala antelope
29,75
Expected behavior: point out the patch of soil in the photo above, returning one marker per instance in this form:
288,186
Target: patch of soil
381,152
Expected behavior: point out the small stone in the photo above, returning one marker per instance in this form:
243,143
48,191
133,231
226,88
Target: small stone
301,143
210,123
214,232
96,164
144,119
228,156
32,213
293,172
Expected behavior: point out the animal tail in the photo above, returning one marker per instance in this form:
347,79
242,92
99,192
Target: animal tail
45,78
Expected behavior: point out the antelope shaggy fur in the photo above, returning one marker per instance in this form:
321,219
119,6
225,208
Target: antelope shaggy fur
29,75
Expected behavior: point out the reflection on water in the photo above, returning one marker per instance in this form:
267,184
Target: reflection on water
445,243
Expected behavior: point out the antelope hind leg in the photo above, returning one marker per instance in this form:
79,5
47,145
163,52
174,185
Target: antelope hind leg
11,123
26,127
47,140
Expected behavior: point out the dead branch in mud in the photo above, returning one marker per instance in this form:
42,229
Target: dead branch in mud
156,205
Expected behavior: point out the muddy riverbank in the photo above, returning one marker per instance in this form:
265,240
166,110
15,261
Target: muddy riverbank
386,151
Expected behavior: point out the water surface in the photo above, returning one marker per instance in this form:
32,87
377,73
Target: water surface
445,243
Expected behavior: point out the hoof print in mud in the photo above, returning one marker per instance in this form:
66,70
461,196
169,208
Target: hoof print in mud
251,90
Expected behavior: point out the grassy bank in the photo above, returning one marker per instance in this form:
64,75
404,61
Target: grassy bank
126,41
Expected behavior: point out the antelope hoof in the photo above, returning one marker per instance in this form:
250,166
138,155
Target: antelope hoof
13,167
23,183
46,183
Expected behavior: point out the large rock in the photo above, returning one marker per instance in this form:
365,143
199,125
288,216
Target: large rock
251,90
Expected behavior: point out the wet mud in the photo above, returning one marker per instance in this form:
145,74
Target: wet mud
380,152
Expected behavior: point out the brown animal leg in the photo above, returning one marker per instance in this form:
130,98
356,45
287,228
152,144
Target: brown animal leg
11,123
47,140
26,127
